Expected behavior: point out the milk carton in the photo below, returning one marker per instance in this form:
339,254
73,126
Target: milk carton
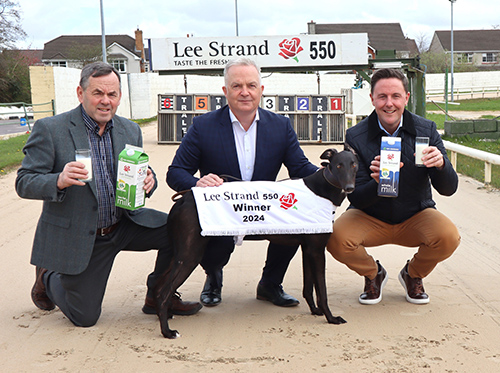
390,157
132,170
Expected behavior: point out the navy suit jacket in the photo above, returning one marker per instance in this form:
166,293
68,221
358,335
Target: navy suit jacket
66,231
209,147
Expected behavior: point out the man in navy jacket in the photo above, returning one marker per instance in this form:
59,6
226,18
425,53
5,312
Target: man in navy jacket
410,219
248,143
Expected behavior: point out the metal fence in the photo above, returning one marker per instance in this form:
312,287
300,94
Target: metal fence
25,112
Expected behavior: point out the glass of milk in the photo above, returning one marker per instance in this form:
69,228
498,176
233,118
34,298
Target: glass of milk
84,156
420,144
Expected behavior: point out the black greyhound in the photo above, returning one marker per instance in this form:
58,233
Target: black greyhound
332,182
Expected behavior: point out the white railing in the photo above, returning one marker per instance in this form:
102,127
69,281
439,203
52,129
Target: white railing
488,158
466,93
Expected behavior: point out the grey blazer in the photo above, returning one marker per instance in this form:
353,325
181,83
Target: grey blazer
66,230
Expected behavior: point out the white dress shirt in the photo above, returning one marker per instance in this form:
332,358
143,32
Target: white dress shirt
245,145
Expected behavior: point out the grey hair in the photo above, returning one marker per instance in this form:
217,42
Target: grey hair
95,70
240,61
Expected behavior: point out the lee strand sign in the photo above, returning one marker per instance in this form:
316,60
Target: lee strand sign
172,54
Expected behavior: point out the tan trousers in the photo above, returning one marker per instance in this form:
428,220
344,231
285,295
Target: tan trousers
432,232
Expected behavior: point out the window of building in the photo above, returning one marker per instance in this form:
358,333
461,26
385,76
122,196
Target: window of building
465,58
119,65
58,63
489,57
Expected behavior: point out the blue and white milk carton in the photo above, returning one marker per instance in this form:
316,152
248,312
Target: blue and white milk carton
390,158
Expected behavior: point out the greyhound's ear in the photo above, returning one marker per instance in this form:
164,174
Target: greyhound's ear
348,148
325,164
328,153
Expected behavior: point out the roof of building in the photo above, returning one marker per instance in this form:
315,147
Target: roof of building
63,46
470,40
381,36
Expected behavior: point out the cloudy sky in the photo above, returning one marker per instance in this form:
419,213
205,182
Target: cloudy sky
44,20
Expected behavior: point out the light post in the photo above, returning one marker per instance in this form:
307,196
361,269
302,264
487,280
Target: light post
236,13
452,57
103,37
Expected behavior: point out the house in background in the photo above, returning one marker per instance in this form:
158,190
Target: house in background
480,48
125,53
381,36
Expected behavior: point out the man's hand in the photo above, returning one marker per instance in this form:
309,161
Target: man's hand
70,174
149,181
432,157
375,168
209,181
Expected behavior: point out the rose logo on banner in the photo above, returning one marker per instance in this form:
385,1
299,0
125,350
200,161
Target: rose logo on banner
288,201
290,48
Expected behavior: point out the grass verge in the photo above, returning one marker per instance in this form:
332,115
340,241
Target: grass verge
474,167
11,153
480,104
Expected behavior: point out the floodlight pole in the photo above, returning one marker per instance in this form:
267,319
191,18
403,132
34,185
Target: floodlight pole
103,36
452,57
236,13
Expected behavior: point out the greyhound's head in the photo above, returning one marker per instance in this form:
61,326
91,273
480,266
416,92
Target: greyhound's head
340,170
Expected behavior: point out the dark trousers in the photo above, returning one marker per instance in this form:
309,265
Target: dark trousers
219,250
80,296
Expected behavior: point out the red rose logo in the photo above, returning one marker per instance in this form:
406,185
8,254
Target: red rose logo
390,156
290,48
287,201
126,168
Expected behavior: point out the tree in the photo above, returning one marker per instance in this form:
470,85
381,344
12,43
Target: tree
14,77
84,53
422,42
10,24
14,70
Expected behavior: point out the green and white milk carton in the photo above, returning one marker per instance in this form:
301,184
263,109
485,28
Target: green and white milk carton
132,170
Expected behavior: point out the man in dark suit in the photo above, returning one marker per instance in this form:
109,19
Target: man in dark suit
80,230
248,143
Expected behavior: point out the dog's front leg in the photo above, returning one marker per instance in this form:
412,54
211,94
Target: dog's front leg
318,269
308,278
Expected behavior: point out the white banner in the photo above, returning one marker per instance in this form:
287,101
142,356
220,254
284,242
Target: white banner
268,51
262,207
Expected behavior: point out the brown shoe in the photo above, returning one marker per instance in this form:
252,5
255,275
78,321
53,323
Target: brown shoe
179,307
373,288
39,292
414,287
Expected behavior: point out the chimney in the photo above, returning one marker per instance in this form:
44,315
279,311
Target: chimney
139,47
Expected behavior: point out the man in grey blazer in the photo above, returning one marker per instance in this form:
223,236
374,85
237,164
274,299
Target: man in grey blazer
80,231
248,143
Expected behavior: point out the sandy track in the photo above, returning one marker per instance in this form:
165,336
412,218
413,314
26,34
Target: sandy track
457,332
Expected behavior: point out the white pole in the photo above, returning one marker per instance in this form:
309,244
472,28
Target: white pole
452,57
236,13
103,36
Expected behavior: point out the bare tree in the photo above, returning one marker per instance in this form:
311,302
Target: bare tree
423,42
10,24
83,54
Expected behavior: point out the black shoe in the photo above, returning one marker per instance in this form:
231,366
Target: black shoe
275,295
210,295
373,288
414,287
